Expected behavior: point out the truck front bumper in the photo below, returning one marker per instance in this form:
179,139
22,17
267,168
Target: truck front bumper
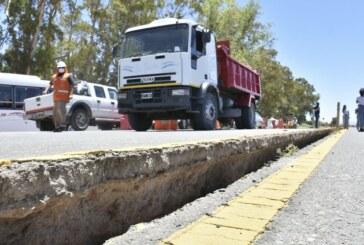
154,100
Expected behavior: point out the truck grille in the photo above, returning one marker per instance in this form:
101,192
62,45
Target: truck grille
150,79
155,80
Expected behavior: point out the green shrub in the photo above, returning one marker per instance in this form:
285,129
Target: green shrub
290,150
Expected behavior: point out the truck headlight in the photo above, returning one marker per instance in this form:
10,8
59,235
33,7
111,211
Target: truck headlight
122,96
180,91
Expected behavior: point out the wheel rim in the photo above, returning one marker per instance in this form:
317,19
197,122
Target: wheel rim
81,120
210,112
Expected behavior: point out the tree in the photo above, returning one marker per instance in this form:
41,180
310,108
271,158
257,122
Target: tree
251,43
82,33
26,23
120,15
178,8
239,25
304,97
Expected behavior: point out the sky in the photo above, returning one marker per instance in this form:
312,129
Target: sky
323,42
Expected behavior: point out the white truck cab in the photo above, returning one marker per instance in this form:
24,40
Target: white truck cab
161,52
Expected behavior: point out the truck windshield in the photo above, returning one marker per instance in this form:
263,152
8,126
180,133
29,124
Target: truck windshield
165,39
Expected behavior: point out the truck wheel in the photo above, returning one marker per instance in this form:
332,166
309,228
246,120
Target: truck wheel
105,126
79,120
206,119
139,121
247,119
45,125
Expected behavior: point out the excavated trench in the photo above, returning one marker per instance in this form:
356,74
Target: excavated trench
88,199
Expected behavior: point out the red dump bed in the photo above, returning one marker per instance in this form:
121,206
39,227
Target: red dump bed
234,76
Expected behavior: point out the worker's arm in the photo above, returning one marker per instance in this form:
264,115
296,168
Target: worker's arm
48,87
72,84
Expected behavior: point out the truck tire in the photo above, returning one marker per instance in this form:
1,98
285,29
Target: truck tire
79,120
206,119
140,122
247,119
45,125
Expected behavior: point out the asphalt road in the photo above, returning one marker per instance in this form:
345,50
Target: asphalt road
31,144
327,209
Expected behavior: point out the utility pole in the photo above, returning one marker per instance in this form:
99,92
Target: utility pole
338,115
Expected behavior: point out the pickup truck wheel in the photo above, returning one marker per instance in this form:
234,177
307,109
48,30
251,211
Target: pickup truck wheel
140,122
206,119
45,125
247,119
80,120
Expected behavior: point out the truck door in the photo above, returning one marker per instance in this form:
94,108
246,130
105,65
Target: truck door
113,94
199,63
102,104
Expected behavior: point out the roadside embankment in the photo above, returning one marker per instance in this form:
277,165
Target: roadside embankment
85,199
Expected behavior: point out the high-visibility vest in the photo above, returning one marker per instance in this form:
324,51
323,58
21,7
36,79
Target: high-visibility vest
61,87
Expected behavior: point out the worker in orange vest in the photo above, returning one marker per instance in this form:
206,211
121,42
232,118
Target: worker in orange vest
62,83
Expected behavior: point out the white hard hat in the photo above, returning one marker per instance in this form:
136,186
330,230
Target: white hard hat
61,64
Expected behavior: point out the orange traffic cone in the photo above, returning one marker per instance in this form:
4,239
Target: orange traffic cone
280,123
217,124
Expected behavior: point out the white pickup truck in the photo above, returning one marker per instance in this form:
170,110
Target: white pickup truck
92,104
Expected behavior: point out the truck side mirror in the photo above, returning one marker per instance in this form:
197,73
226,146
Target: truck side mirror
206,37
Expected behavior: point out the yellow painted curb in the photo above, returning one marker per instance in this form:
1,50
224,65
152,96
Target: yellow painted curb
244,218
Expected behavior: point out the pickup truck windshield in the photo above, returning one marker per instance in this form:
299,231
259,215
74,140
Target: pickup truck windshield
165,39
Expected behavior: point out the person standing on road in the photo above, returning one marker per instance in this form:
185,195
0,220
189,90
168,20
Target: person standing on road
360,101
357,118
62,83
316,111
345,117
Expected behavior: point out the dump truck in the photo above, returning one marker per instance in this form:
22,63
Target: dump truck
175,69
